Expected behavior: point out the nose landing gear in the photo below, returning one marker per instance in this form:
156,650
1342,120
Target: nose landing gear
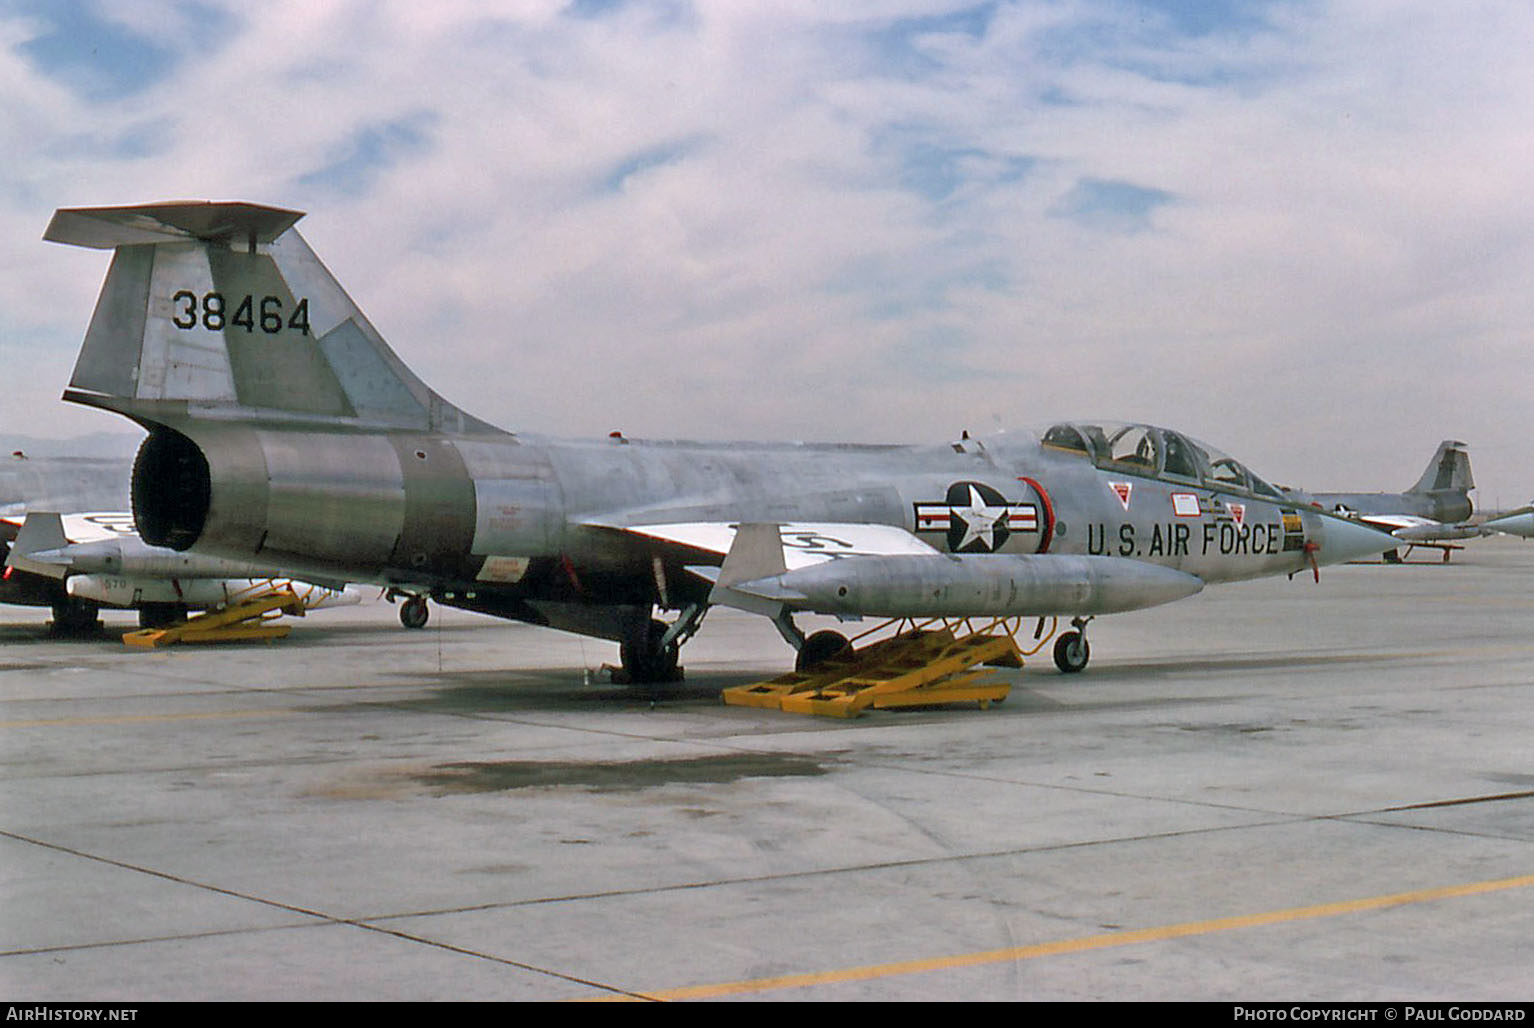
1072,650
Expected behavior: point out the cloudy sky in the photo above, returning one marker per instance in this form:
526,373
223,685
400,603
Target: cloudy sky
1301,230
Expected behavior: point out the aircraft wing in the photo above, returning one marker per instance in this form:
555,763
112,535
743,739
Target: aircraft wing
1395,522
1413,529
804,542
88,527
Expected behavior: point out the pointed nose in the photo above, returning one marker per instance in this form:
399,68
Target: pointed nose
1342,540
1513,524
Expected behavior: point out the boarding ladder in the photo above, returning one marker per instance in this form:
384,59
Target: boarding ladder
929,664
247,616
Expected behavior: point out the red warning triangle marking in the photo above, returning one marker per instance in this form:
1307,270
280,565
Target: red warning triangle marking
1121,490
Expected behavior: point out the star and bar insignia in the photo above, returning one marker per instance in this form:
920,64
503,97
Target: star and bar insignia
976,518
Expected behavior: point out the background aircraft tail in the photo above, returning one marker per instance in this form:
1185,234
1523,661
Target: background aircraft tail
221,311
1448,471
41,532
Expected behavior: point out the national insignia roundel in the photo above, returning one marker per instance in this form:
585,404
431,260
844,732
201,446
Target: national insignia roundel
975,518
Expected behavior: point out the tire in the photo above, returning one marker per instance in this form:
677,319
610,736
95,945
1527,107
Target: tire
820,648
645,663
75,617
159,615
414,612
1072,652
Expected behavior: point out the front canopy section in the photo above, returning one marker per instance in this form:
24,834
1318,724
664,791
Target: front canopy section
1153,452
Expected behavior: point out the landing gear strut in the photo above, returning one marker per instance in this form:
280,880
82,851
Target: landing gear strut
1071,650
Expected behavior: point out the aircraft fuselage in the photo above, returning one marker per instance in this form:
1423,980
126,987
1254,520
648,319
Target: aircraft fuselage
491,521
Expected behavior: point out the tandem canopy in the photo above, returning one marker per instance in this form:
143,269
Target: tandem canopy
1153,452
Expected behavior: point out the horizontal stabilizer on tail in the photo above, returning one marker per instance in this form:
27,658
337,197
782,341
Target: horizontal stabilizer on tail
41,533
106,228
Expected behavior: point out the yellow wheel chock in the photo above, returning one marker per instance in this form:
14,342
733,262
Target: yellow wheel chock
240,620
920,667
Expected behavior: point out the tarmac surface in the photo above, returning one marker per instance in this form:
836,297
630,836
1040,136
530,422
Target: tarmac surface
1277,790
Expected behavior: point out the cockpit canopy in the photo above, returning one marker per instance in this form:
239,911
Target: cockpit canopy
1156,453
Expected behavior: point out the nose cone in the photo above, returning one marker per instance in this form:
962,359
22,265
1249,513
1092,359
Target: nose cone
1514,524
1343,540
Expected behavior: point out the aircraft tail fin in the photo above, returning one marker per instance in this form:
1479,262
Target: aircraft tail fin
1448,471
221,310
41,532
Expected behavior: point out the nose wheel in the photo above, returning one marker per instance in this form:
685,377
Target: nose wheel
414,612
1072,650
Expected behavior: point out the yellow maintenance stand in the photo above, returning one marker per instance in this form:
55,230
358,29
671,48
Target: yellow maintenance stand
243,618
920,666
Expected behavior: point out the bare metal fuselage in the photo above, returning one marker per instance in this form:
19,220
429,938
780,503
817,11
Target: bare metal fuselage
494,520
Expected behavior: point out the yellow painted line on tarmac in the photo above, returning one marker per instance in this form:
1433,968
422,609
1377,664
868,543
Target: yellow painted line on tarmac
135,719
1082,945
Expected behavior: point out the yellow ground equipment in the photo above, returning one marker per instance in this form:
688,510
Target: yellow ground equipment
920,666
245,617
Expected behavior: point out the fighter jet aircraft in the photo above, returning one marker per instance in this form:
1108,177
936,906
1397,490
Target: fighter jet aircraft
283,429
1431,513
1514,522
79,563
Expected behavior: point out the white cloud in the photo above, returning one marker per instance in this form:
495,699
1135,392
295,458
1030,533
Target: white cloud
864,221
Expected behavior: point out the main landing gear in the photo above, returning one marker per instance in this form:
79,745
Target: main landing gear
820,648
75,617
650,654
1071,650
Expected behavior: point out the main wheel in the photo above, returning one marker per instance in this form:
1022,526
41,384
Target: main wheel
1072,652
646,662
159,615
819,648
414,612
75,617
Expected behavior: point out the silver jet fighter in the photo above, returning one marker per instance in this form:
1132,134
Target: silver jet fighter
283,430
1514,522
79,563
53,483
1431,513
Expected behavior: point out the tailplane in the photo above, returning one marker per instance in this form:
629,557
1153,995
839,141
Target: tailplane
221,311
41,532
1448,471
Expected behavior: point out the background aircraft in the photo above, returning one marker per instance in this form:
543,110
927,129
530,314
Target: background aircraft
284,430
1514,522
79,563
1431,513
54,483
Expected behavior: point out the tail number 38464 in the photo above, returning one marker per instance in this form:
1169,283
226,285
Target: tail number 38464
215,312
